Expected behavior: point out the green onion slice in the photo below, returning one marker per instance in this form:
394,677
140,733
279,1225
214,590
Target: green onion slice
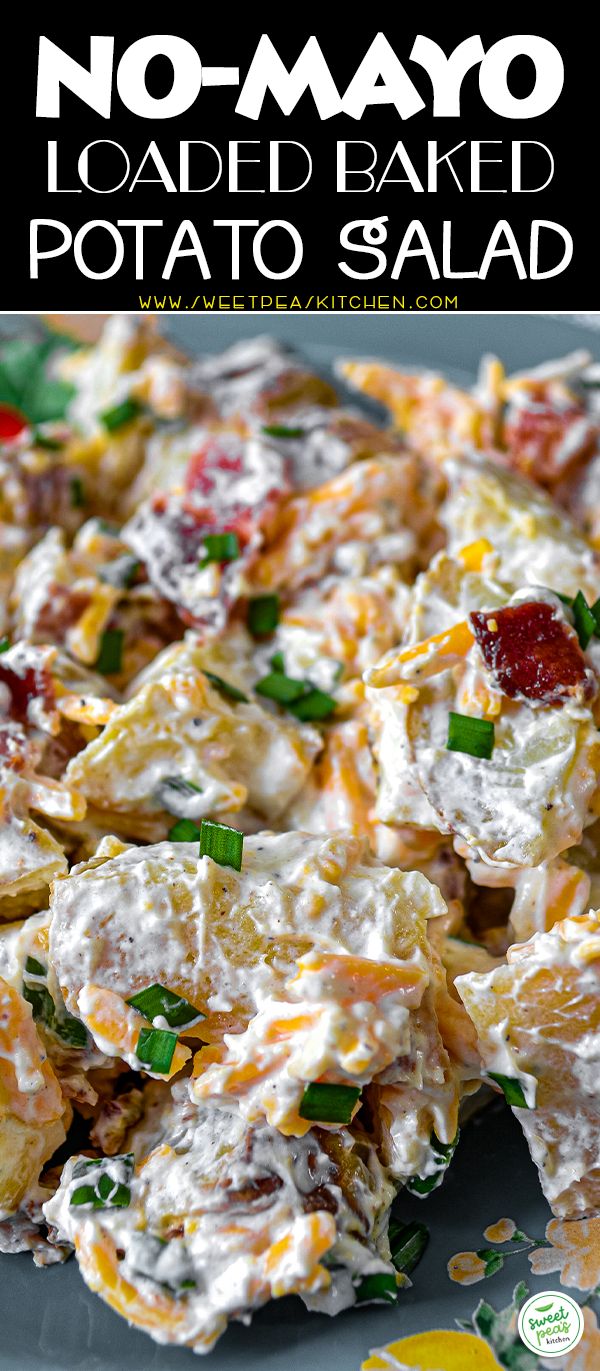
263,615
512,1088
157,1000
110,656
226,688
328,1103
584,619
220,547
34,968
315,704
184,831
121,414
467,734
4,643
223,844
277,686
155,1048
277,661
282,431
381,1286
407,1244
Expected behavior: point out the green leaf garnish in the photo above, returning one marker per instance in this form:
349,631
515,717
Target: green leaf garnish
513,1090
120,415
470,735
223,844
25,384
225,688
282,431
220,547
110,656
155,1048
77,493
157,1000
326,1103
584,619
263,615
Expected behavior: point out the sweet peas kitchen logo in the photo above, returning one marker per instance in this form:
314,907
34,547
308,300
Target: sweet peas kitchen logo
550,1323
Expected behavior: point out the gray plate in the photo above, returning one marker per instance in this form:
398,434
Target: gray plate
49,1321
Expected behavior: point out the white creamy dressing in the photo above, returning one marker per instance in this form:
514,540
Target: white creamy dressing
221,1197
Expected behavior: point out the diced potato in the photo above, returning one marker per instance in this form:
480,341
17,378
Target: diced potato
538,1024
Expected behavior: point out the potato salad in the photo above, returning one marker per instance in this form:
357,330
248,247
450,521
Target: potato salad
299,810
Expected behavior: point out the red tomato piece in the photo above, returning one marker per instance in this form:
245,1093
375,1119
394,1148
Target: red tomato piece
12,423
531,652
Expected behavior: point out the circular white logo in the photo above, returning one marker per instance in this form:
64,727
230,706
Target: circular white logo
550,1323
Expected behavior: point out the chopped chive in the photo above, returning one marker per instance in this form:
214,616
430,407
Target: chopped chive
71,1031
110,656
4,643
156,999
77,493
407,1244
277,686
316,704
263,615
282,431
184,831
226,688
44,440
155,1048
328,1103
467,734
223,844
42,1004
277,661
121,414
174,793
381,1285
566,599
122,572
34,967
584,619
85,1194
102,1191
220,547
513,1090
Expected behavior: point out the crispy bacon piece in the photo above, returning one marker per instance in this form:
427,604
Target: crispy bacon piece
29,683
545,443
531,652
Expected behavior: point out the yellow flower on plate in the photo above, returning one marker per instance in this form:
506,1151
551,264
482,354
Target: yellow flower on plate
575,1252
585,1357
502,1231
438,1350
466,1268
